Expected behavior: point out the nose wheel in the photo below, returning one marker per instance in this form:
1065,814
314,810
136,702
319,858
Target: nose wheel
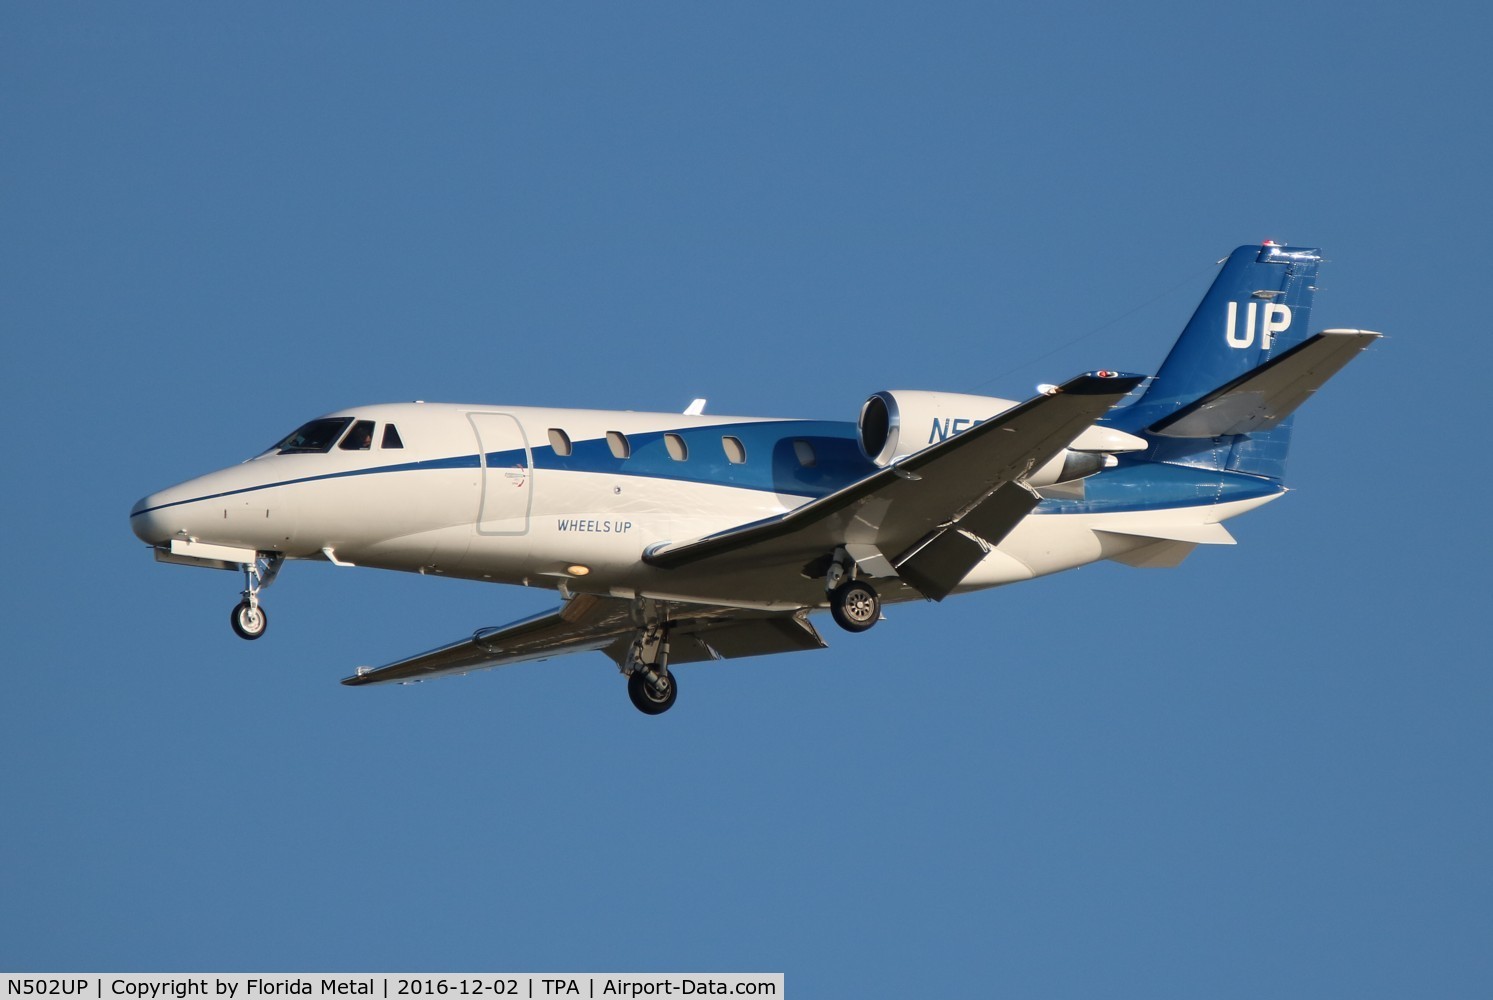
650,685
652,696
249,620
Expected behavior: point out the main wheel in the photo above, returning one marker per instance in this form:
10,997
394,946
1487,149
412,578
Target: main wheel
855,605
647,700
249,621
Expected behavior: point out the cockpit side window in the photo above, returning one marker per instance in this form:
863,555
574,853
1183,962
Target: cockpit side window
391,437
316,437
360,438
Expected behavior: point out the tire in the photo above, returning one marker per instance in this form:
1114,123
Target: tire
249,622
646,700
855,606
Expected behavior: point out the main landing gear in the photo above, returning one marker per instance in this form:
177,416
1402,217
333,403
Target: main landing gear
650,685
854,604
249,619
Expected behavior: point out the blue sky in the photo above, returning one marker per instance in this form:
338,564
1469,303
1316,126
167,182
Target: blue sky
1263,773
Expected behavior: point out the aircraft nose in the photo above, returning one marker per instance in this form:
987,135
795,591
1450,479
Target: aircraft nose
148,522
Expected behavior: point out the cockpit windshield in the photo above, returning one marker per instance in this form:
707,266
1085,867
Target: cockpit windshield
314,438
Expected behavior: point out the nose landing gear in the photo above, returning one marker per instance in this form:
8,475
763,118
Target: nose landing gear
650,685
248,619
652,693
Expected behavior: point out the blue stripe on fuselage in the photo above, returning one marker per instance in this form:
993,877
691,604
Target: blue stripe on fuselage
455,462
837,463
837,458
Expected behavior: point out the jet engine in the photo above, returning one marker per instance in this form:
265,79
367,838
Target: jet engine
896,423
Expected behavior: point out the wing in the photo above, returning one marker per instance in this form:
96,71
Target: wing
932,515
586,622
938,511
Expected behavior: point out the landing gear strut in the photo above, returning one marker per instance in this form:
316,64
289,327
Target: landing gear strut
649,684
248,619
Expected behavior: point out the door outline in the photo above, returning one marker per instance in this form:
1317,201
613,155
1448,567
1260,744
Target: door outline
506,484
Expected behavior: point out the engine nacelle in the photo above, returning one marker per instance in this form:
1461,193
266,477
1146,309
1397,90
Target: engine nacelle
1068,466
899,422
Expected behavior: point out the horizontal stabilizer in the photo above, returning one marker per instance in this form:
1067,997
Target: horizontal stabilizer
1261,398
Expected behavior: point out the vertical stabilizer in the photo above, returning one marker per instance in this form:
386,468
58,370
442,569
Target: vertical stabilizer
1258,307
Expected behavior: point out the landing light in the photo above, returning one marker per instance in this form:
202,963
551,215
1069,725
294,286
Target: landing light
577,570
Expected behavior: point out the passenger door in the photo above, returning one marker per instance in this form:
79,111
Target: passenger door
507,474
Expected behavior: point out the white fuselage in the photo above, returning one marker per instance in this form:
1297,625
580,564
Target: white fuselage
572,498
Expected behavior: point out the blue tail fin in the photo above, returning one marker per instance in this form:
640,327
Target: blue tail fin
1258,308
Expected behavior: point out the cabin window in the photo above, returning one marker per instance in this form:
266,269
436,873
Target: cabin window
391,437
360,438
617,441
560,441
735,450
678,450
314,438
805,453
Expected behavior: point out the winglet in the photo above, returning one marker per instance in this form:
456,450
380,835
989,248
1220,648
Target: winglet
695,408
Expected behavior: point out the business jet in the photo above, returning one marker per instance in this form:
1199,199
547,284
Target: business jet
676,538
